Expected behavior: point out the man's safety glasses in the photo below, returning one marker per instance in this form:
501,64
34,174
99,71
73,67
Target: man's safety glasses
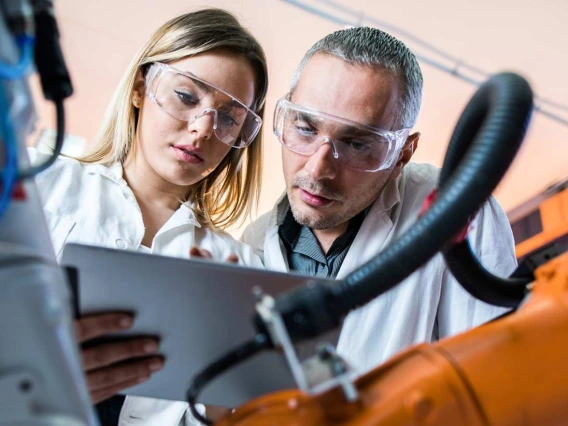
356,146
187,97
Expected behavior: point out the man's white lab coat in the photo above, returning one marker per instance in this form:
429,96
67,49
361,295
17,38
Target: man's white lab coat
428,305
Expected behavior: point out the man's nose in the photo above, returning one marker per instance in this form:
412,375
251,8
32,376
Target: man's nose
322,163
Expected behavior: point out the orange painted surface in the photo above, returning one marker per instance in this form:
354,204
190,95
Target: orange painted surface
512,371
554,216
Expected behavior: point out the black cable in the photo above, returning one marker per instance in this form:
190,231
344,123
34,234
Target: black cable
50,64
460,258
492,128
227,361
32,171
487,138
479,282
495,121
54,76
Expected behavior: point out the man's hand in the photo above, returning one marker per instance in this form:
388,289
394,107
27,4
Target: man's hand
104,364
206,254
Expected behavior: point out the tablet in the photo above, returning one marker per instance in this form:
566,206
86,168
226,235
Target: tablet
200,309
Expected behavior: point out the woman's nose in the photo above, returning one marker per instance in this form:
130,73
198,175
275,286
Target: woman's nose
204,123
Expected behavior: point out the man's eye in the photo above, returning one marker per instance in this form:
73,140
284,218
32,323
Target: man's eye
305,131
186,98
358,146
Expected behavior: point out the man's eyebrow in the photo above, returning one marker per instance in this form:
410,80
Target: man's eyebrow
352,130
308,118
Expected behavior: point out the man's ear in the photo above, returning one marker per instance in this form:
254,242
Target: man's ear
138,90
406,154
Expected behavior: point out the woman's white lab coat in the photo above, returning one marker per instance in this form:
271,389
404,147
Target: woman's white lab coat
92,204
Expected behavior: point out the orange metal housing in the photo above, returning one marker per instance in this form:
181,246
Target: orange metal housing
512,371
552,215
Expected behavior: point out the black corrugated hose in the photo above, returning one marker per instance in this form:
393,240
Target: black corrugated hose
479,282
462,262
485,142
487,138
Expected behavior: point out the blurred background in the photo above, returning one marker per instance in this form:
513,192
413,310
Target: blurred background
458,42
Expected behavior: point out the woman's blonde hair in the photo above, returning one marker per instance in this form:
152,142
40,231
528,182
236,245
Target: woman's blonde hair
231,191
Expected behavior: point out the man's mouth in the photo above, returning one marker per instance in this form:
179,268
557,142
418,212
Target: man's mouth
314,200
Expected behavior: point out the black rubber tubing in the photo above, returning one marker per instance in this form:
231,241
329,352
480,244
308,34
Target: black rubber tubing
484,144
462,262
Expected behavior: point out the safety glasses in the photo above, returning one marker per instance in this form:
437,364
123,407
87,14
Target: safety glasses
186,97
356,146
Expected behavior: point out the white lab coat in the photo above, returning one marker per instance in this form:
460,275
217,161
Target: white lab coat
429,304
92,204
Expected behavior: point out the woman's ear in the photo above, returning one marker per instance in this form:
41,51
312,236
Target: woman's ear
138,90
406,154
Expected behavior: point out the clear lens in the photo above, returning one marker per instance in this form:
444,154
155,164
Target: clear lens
355,146
186,98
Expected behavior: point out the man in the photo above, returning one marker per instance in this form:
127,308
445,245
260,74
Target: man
351,190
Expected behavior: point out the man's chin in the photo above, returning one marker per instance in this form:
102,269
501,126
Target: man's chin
314,220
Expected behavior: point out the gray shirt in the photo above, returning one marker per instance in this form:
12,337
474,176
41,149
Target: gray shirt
304,252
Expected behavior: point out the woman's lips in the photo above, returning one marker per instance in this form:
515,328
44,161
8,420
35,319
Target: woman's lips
187,156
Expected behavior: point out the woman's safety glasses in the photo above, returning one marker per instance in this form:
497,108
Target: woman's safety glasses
356,146
187,97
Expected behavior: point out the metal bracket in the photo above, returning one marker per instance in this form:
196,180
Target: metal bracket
17,389
279,335
323,371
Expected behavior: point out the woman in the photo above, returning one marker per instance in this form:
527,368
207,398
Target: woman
178,157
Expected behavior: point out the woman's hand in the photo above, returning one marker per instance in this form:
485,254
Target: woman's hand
112,367
206,254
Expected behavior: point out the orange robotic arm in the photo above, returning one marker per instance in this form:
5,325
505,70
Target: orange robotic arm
512,371
507,372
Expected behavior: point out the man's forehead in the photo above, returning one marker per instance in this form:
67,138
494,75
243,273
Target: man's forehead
361,93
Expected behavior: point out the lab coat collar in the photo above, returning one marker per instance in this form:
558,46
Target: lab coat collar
112,172
184,215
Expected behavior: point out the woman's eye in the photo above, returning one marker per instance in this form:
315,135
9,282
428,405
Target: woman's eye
186,98
228,120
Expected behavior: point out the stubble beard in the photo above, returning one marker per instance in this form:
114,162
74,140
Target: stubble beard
322,220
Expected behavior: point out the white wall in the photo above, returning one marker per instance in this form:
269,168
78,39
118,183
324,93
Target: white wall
100,37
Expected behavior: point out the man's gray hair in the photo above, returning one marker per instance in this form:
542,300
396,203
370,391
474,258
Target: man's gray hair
373,47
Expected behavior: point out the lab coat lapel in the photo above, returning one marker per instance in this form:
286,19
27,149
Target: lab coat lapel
274,251
376,231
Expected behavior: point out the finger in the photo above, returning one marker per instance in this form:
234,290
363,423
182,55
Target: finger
92,326
106,354
199,252
233,258
113,376
102,394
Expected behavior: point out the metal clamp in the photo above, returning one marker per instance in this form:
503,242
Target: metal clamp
319,373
